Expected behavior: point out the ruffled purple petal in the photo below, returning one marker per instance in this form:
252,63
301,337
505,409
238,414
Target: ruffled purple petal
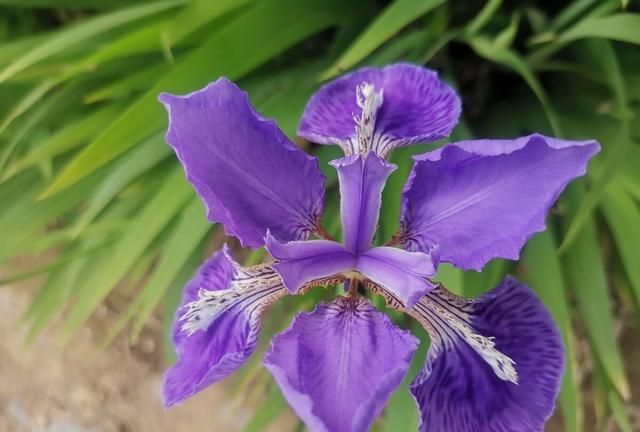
337,365
402,274
249,175
301,262
468,382
362,179
407,104
216,328
479,200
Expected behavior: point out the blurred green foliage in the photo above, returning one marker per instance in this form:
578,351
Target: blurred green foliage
84,170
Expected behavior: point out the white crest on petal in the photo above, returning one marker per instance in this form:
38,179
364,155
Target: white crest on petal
369,100
256,286
448,319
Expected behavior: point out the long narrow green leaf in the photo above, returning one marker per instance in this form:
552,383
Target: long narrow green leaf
394,18
81,32
482,18
146,227
196,14
188,233
508,58
621,27
618,411
23,220
606,173
67,138
142,158
623,217
234,51
28,101
544,275
586,273
52,295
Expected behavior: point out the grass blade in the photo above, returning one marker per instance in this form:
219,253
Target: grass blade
237,49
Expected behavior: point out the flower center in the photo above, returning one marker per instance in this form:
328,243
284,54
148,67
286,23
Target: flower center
369,100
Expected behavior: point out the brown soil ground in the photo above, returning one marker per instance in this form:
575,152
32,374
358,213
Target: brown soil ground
85,388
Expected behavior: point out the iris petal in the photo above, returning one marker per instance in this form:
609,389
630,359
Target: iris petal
412,105
403,275
216,328
338,365
479,200
362,179
249,175
301,262
495,362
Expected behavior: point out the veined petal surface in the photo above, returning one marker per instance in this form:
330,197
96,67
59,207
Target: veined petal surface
402,274
337,365
393,106
300,262
362,179
249,175
495,362
482,199
216,327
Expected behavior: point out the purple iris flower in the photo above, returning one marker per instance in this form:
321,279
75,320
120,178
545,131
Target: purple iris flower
495,362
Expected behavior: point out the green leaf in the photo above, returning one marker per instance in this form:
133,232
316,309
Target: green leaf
274,404
28,101
623,217
586,273
67,138
195,15
72,36
26,217
394,18
606,173
622,27
147,225
131,83
52,296
190,230
238,48
544,275
73,4
132,165
510,59
482,18
477,283
618,410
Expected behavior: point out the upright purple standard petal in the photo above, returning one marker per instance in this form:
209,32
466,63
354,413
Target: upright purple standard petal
393,106
468,382
479,200
338,365
249,175
216,327
362,179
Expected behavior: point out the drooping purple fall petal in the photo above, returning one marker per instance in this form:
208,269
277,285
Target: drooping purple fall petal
393,106
249,175
337,365
299,262
216,327
362,179
479,200
468,382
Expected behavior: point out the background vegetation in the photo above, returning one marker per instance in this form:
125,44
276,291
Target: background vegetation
84,170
